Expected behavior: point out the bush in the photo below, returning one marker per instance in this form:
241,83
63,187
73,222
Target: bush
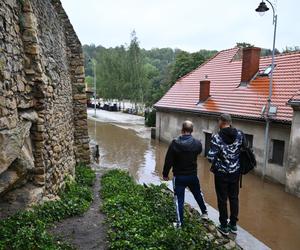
85,176
142,217
27,229
150,118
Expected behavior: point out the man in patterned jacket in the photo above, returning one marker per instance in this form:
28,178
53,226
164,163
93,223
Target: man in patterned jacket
224,155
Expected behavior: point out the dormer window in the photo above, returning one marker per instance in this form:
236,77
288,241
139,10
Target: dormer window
267,71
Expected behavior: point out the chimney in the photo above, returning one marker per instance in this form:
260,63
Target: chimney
250,64
204,90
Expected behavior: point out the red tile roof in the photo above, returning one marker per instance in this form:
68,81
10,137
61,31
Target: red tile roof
226,94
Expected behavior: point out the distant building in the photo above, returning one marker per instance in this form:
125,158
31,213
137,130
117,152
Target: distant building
236,81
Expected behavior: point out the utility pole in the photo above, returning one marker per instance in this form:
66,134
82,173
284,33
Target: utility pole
95,86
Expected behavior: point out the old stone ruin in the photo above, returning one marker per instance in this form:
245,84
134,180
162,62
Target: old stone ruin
43,120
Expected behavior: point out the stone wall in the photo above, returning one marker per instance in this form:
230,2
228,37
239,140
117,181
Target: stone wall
168,126
43,120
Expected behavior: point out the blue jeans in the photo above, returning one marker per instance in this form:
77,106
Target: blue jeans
192,182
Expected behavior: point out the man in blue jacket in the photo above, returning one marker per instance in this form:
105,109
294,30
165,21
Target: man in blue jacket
224,155
182,157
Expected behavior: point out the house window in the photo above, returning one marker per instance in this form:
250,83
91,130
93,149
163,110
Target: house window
267,70
249,140
277,152
207,143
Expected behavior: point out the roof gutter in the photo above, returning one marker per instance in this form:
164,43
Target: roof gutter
217,114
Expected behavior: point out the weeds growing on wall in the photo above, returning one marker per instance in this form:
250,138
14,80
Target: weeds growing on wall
2,63
21,15
80,88
142,217
27,229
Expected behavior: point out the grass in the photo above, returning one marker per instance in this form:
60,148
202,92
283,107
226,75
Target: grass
142,217
27,229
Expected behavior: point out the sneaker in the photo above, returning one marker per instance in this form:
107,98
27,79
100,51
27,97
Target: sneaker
177,225
232,228
204,216
223,229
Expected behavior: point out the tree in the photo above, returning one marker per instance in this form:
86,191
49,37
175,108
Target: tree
112,73
288,49
264,52
182,66
244,45
90,52
138,82
142,76
89,81
186,62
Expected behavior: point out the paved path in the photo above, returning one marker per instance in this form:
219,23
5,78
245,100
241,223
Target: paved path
88,231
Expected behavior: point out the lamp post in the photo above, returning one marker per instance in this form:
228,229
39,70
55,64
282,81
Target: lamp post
95,87
94,62
261,9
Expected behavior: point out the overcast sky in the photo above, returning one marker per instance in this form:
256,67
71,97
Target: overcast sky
186,24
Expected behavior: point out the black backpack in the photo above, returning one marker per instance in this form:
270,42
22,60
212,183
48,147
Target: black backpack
247,159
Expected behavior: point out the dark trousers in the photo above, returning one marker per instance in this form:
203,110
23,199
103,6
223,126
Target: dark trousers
227,187
192,182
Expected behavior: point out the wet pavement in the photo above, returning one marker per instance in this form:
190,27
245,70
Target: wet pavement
266,211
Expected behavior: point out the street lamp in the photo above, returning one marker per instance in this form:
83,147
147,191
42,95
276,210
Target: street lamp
94,62
261,9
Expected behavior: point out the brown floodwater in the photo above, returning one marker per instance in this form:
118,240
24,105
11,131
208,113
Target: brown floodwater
266,210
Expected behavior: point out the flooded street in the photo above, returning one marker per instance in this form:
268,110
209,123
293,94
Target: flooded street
266,211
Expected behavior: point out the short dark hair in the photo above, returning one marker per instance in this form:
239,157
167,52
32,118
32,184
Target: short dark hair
187,127
226,118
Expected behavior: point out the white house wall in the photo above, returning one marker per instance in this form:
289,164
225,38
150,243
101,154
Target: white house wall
168,125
